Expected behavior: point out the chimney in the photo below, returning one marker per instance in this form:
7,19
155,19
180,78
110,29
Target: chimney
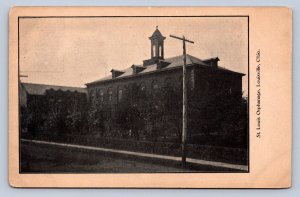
116,73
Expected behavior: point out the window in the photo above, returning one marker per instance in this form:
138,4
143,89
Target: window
110,94
160,51
153,50
92,94
143,86
101,95
205,86
168,82
120,94
154,84
98,92
192,78
180,81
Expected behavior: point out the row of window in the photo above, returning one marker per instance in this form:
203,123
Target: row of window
98,92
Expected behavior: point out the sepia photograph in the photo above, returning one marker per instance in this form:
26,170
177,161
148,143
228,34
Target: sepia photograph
138,94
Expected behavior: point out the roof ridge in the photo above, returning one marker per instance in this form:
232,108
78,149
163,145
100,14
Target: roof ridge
39,84
193,57
175,61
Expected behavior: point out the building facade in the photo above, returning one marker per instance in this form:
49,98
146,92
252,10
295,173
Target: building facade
52,110
144,101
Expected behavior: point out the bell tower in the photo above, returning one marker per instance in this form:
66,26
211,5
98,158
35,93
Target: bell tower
157,45
157,48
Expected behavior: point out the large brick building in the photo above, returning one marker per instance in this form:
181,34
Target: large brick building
51,109
145,100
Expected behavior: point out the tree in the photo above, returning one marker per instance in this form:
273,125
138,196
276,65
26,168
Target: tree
129,113
220,118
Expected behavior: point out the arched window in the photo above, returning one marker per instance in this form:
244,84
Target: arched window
110,94
192,79
158,48
160,51
120,93
168,82
180,81
205,86
92,94
154,84
98,90
153,50
143,86
101,95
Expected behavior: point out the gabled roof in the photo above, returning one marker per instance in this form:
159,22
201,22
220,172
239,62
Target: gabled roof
172,63
40,89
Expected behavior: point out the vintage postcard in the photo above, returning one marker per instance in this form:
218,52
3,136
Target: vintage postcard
150,97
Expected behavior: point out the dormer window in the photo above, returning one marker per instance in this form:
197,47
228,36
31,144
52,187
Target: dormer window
116,73
162,64
213,62
137,69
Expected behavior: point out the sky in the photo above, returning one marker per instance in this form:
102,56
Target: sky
75,51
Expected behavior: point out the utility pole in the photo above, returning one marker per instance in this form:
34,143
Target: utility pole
184,107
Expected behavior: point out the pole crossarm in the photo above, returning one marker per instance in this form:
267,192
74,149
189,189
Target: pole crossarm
183,38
